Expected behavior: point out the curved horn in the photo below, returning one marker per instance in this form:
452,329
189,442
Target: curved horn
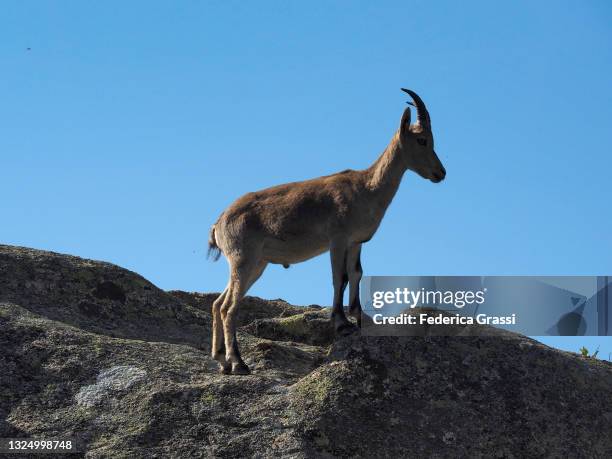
422,113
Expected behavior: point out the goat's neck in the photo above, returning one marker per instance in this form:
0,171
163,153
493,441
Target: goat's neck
385,175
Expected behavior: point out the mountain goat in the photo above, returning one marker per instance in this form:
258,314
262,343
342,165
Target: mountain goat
291,223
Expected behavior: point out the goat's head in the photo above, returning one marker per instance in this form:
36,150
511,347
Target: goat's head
417,143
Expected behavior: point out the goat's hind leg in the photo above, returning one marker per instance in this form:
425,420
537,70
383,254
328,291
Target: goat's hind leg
243,275
218,338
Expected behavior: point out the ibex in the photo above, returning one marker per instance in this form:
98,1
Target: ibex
294,222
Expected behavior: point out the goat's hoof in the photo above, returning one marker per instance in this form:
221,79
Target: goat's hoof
225,369
356,315
346,329
240,368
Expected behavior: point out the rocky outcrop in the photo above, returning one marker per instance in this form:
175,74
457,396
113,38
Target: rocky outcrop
92,351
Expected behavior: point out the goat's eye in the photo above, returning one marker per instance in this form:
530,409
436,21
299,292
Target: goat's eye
422,142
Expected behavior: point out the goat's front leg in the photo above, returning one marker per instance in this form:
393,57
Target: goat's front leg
353,262
339,253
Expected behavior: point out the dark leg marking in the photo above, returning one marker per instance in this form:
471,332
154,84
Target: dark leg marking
342,325
356,273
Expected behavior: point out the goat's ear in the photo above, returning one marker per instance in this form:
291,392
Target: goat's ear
405,123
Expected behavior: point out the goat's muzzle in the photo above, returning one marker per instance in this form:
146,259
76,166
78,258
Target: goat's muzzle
438,176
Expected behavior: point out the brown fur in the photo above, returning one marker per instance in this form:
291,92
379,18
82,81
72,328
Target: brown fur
293,222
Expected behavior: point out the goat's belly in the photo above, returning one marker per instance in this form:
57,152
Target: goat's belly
291,252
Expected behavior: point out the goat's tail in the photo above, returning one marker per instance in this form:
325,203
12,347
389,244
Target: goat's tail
213,248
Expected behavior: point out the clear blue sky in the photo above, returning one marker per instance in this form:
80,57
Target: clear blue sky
129,126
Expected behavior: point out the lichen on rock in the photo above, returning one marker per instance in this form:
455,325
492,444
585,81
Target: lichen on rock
109,383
